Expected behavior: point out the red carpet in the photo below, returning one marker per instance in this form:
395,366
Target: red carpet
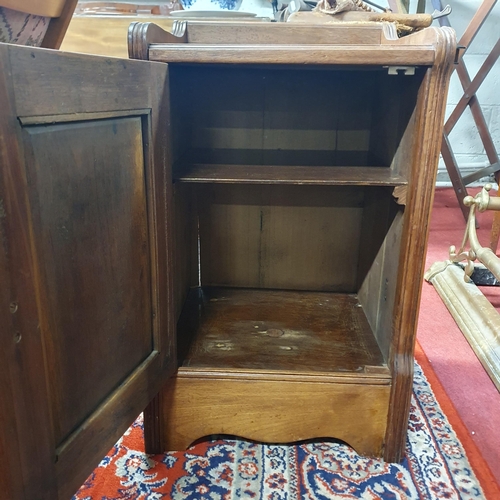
463,378
441,461
481,467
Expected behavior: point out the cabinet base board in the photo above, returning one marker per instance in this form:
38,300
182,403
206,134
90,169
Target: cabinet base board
273,411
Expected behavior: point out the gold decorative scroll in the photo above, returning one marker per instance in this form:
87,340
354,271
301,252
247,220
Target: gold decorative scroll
481,202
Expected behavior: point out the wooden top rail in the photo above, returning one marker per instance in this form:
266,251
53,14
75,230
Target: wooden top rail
292,54
267,43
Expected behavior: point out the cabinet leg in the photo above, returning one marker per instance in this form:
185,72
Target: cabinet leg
152,426
399,412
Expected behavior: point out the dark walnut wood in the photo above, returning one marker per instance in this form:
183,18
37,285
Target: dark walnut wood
287,244
141,35
58,25
283,114
277,330
268,174
284,366
84,224
85,218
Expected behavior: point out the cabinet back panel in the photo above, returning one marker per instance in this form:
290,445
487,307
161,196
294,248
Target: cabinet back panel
287,237
281,117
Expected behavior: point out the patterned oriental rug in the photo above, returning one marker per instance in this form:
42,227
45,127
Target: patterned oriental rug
441,462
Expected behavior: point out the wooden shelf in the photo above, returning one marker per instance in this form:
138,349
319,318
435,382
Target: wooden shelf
283,331
271,174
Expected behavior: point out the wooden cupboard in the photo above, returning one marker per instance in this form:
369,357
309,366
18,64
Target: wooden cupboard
233,241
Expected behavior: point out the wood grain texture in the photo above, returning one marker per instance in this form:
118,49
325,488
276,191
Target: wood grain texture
429,121
153,427
253,116
104,35
378,289
277,174
26,431
95,239
290,237
419,117
393,126
159,156
58,25
387,291
239,33
85,216
376,221
236,153
275,330
276,412
141,35
293,54
77,71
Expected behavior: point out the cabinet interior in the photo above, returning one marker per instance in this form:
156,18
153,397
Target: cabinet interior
287,231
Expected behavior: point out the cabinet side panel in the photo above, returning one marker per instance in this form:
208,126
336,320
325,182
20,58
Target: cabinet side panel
400,164
385,123
289,237
393,120
422,167
185,244
25,430
382,227
372,252
377,292
387,299
376,210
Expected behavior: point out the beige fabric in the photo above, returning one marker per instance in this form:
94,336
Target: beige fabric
21,28
338,6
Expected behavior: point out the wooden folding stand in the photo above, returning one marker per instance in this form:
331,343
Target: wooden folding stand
469,98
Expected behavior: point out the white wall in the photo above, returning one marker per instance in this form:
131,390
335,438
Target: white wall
464,137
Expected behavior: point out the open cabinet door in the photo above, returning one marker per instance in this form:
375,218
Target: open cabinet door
86,339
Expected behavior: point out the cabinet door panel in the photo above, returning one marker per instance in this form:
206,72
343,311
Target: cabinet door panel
85,256
89,210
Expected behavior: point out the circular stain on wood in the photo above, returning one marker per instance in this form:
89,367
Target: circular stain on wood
274,332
